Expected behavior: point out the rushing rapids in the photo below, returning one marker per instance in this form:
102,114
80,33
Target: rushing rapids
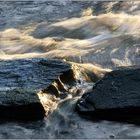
91,38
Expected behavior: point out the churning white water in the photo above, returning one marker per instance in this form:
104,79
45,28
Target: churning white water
103,35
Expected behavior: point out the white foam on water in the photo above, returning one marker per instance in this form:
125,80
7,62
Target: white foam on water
106,40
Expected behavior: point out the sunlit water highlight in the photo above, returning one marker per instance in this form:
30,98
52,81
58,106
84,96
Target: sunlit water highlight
104,40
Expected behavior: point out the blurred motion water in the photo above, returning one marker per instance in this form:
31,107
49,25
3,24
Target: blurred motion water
104,34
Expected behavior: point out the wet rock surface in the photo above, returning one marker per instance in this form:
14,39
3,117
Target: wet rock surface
20,81
115,97
118,47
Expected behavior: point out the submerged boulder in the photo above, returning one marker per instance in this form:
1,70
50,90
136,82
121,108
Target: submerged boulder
115,97
21,80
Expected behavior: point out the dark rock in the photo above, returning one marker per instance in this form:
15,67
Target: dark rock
21,80
115,97
111,136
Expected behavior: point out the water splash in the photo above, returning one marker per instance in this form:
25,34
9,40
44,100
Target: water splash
95,41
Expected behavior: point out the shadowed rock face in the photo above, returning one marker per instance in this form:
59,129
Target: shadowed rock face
20,81
115,97
29,88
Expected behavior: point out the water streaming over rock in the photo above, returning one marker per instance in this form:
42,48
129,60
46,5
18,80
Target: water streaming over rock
96,36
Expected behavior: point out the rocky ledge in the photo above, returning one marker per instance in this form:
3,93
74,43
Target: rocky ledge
20,81
116,97
30,88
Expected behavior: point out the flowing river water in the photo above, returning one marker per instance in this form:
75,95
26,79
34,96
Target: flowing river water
105,35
